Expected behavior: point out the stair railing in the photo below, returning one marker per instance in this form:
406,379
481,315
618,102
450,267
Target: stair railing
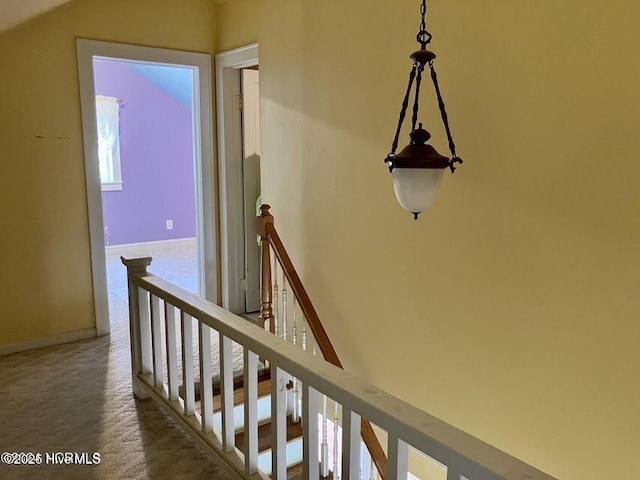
278,314
165,352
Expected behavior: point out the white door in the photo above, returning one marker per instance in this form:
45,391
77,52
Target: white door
236,212
251,184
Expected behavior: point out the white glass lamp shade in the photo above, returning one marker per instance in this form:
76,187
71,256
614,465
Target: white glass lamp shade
416,188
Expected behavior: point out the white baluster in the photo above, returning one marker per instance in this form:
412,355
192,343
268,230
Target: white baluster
294,327
187,364
350,444
206,387
311,344
296,401
276,316
250,388
280,324
362,461
324,446
397,463
146,349
297,390
310,470
156,341
284,306
373,473
336,443
278,423
226,392
304,334
295,407
172,353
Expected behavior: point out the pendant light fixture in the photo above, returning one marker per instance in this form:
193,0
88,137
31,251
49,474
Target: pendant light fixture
417,170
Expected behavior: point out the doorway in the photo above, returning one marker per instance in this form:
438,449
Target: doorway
146,195
251,152
238,102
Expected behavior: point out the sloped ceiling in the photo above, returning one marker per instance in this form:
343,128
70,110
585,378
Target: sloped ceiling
175,81
15,12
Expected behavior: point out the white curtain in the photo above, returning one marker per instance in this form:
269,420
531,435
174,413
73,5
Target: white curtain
108,121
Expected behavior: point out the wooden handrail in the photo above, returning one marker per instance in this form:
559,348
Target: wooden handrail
269,236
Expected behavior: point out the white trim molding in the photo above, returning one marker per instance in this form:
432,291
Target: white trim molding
111,186
200,63
228,66
145,247
48,341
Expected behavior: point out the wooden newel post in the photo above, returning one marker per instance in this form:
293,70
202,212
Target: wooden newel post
139,322
266,290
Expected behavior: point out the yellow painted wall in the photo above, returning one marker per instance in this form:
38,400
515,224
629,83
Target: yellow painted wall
45,284
511,308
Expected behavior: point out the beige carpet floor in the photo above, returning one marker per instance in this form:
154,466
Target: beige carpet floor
77,398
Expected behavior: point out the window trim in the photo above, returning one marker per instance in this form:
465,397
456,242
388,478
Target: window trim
111,186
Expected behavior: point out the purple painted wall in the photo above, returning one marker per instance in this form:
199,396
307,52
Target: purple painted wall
156,151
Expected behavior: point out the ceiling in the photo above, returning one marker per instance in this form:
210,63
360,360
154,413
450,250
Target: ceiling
176,81
15,12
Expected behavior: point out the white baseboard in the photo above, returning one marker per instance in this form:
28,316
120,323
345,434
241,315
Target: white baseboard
136,248
48,341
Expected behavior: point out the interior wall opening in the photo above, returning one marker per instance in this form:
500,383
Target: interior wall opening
145,126
147,112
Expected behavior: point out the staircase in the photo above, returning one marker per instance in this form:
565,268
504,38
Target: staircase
275,402
293,426
287,312
263,409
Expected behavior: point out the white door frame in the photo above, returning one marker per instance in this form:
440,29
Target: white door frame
228,66
200,63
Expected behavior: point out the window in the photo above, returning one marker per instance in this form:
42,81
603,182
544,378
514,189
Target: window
108,123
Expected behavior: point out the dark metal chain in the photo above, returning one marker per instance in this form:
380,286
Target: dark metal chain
445,119
403,112
423,36
414,118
